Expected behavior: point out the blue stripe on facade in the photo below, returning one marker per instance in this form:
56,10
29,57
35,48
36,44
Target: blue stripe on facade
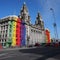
23,34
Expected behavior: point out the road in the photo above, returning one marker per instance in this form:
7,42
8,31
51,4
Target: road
41,53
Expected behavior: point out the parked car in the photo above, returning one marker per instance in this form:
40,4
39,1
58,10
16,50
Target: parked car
37,44
56,44
59,43
30,45
47,44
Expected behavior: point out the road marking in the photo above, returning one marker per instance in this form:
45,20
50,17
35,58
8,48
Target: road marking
31,55
51,59
6,57
3,54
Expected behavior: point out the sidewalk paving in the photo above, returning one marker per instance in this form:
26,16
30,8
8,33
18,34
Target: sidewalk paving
17,48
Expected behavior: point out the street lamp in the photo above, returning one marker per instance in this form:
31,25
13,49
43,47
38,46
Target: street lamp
54,25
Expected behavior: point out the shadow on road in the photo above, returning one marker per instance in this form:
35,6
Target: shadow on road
46,52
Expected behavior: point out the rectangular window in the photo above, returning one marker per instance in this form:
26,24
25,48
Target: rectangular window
1,27
9,35
3,32
16,35
6,31
5,40
4,27
34,30
3,35
2,40
10,26
10,30
6,35
4,44
17,26
31,30
16,39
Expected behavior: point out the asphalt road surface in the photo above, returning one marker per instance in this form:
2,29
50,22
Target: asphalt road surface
41,53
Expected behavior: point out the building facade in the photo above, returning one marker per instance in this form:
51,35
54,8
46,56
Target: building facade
34,33
19,31
10,31
48,39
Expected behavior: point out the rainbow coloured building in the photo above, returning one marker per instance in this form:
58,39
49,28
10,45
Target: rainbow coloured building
16,31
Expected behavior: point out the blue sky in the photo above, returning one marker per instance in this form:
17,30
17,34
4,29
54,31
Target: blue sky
12,7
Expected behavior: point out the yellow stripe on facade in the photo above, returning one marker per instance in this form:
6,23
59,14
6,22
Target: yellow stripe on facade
14,33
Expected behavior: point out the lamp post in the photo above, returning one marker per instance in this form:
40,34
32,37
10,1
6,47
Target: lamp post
54,25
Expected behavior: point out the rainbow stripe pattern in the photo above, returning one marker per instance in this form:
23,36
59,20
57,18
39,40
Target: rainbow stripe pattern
16,32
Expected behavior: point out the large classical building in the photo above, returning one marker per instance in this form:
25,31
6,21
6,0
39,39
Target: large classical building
18,31
34,33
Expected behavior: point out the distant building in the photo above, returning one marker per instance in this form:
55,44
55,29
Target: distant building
48,39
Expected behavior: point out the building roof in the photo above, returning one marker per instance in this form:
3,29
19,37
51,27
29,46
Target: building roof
10,16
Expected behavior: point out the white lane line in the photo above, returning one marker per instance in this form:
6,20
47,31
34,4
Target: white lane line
6,57
51,59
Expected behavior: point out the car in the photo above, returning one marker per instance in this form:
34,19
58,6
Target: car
30,45
56,44
37,44
47,44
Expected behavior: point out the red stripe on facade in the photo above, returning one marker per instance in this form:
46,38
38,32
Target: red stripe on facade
18,32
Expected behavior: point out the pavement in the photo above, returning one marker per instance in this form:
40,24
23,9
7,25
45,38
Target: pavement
31,53
17,48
